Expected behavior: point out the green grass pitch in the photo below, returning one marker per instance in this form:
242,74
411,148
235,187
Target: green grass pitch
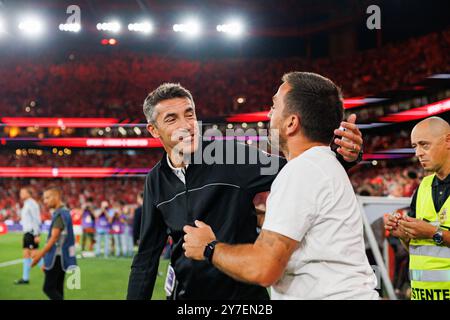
101,279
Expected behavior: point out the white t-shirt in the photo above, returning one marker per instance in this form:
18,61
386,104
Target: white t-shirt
312,201
179,172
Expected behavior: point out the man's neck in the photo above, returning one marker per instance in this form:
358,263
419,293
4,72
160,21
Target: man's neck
444,171
299,146
58,205
176,163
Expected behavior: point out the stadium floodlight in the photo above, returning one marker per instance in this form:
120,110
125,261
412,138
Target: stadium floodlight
31,26
191,28
143,27
232,28
112,26
70,27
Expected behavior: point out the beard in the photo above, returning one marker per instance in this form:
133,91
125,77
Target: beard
276,140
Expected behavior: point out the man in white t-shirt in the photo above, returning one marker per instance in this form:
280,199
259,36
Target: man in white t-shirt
311,245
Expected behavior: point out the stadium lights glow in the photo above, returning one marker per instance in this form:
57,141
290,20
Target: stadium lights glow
2,26
122,131
113,26
190,28
144,27
233,28
137,131
71,27
31,26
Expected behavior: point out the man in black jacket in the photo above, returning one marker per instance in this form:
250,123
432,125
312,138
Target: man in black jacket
186,186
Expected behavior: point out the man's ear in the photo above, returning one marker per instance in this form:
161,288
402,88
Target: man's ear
153,130
447,140
293,124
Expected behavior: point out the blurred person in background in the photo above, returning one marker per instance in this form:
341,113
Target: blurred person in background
118,228
102,229
137,218
88,225
30,219
127,236
77,228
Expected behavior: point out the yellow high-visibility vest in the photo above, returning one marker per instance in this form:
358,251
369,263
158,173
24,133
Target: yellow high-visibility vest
429,264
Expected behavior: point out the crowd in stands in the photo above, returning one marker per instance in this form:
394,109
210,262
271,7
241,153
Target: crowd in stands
92,158
381,142
93,84
386,180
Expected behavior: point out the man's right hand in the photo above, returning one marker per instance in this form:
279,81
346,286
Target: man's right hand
391,224
37,239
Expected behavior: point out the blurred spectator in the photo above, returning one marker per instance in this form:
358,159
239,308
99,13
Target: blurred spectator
138,218
127,236
88,225
102,228
118,228
76,214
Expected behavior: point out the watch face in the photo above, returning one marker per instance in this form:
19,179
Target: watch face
438,238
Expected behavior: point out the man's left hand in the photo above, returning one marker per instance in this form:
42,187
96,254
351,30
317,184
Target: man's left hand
196,239
351,142
416,229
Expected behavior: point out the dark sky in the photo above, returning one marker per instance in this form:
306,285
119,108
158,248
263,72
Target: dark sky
275,28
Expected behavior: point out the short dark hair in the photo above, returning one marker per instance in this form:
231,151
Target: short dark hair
317,101
54,189
164,92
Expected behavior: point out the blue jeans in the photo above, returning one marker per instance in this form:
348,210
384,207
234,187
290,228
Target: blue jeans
118,244
127,242
99,236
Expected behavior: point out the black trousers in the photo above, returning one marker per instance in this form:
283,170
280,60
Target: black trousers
54,281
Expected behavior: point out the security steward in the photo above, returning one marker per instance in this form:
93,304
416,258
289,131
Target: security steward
426,231
59,251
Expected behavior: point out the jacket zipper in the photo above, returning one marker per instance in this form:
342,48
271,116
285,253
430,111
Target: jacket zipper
189,218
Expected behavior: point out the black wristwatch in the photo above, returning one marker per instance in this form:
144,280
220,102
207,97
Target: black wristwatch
438,237
209,251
